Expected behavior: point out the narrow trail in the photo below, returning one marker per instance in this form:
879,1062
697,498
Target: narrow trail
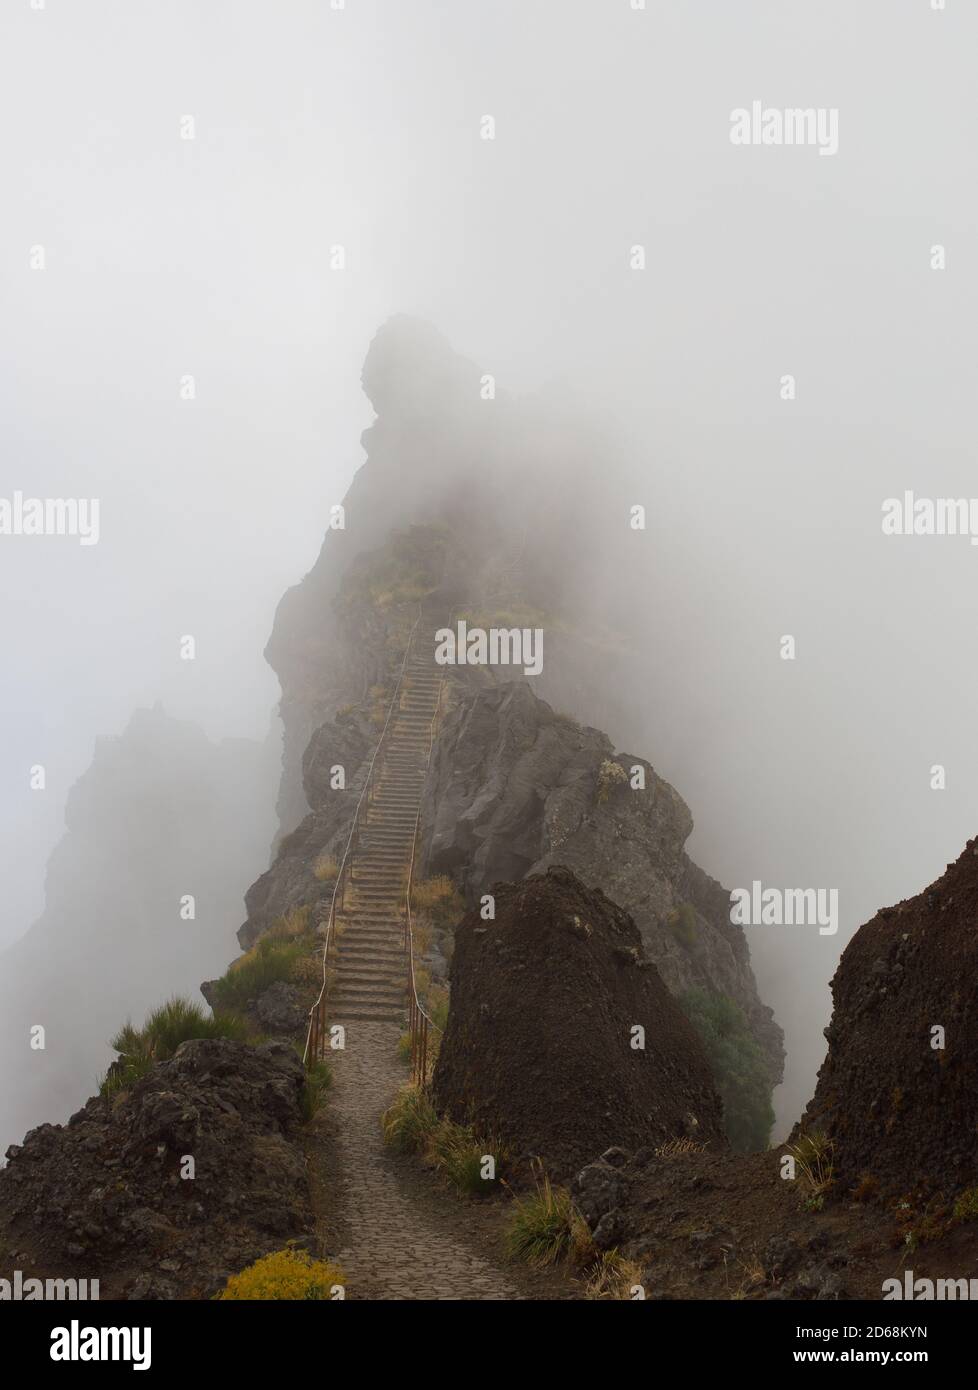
397,1246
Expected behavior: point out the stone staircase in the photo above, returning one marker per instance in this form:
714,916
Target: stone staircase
371,970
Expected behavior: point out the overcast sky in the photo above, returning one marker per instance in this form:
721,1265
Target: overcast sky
360,127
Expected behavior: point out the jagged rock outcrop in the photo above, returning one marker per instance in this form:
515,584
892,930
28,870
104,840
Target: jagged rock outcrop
502,492
514,788
162,813
322,650
541,1050
291,881
111,1192
897,1093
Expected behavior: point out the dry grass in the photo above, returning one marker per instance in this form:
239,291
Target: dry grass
439,899
294,923
813,1155
326,868
679,1148
612,1276
752,1277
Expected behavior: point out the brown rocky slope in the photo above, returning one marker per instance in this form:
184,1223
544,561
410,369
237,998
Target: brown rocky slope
538,1050
898,1091
108,1195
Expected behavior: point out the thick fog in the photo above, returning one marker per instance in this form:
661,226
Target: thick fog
338,173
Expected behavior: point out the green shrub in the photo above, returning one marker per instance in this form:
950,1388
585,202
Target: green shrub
274,957
175,1022
286,1274
123,1074
738,1065
179,1020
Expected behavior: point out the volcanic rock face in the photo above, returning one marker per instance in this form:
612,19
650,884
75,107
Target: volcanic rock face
110,1195
515,788
291,881
538,1051
897,1105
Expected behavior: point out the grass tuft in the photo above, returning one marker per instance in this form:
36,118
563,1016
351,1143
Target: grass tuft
613,1277
471,1164
412,1125
409,1121
439,899
319,1078
546,1227
813,1154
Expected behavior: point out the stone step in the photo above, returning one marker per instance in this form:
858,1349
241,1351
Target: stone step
374,915
365,975
343,992
365,915
355,1014
380,934
380,950
390,957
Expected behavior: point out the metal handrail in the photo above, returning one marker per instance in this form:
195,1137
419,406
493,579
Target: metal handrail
316,1022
